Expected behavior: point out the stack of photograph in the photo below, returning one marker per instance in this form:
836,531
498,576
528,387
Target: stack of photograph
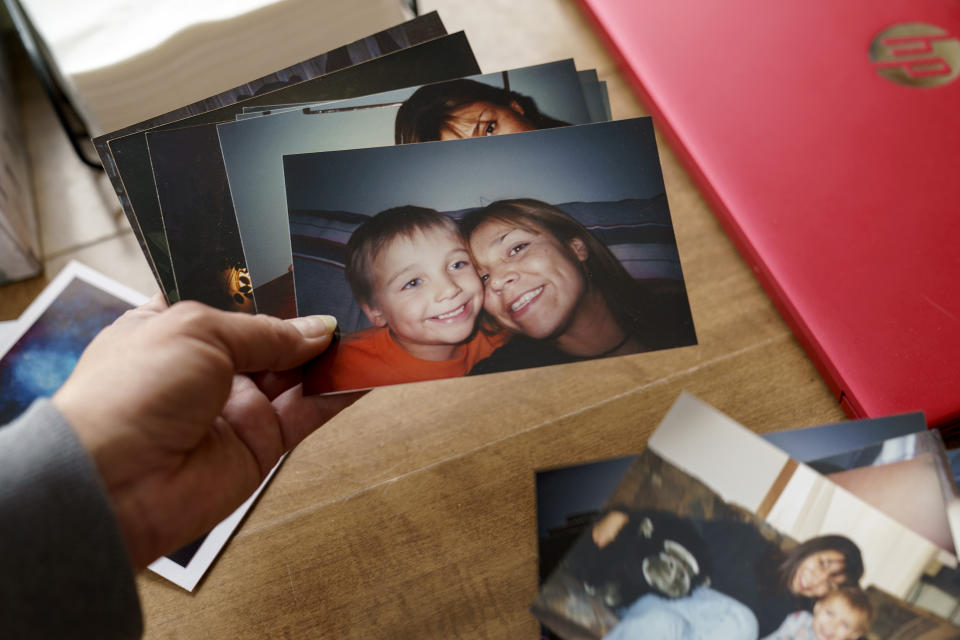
454,222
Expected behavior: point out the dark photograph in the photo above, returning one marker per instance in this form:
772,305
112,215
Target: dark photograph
438,59
187,183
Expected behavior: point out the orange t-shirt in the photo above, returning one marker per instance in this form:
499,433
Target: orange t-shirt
372,358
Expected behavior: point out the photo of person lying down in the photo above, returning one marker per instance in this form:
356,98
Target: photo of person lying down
714,532
669,558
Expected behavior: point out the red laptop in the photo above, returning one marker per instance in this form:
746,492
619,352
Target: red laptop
826,137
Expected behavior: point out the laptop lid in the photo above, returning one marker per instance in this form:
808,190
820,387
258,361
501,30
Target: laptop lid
826,137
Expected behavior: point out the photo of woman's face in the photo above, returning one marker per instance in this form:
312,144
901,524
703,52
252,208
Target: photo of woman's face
484,119
818,574
532,282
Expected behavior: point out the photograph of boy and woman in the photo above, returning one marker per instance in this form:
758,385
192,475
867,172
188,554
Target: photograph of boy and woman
486,254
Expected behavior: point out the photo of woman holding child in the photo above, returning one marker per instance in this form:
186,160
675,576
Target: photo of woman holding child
665,555
751,588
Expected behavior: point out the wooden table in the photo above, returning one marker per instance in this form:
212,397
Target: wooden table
411,514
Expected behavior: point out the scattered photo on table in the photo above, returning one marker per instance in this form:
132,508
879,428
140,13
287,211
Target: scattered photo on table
715,533
41,352
571,498
486,254
253,151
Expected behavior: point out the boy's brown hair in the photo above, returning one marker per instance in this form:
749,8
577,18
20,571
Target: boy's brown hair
377,233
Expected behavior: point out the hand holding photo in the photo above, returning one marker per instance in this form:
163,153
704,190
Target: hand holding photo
41,351
486,254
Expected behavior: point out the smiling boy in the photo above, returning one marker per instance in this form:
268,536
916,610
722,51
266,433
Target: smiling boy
414,279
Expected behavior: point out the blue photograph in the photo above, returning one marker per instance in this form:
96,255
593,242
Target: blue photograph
45,355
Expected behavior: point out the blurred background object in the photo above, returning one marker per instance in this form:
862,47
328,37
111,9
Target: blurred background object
72,71
122,61
19,239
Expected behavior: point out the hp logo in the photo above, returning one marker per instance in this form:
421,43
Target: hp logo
916,55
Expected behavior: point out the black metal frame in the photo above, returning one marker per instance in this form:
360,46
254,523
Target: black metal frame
39,56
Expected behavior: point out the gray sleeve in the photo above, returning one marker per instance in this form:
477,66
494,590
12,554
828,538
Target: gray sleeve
64,569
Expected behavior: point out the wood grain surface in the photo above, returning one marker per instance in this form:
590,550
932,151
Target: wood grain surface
411,514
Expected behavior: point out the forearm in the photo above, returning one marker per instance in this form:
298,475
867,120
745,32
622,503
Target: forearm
64,568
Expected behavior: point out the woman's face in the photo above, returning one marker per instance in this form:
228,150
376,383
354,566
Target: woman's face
485,119
818,574
532,282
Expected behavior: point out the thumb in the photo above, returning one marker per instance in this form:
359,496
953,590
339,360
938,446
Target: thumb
255,342
314,326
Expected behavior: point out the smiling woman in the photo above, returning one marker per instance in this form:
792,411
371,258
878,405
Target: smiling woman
563,293
819,565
